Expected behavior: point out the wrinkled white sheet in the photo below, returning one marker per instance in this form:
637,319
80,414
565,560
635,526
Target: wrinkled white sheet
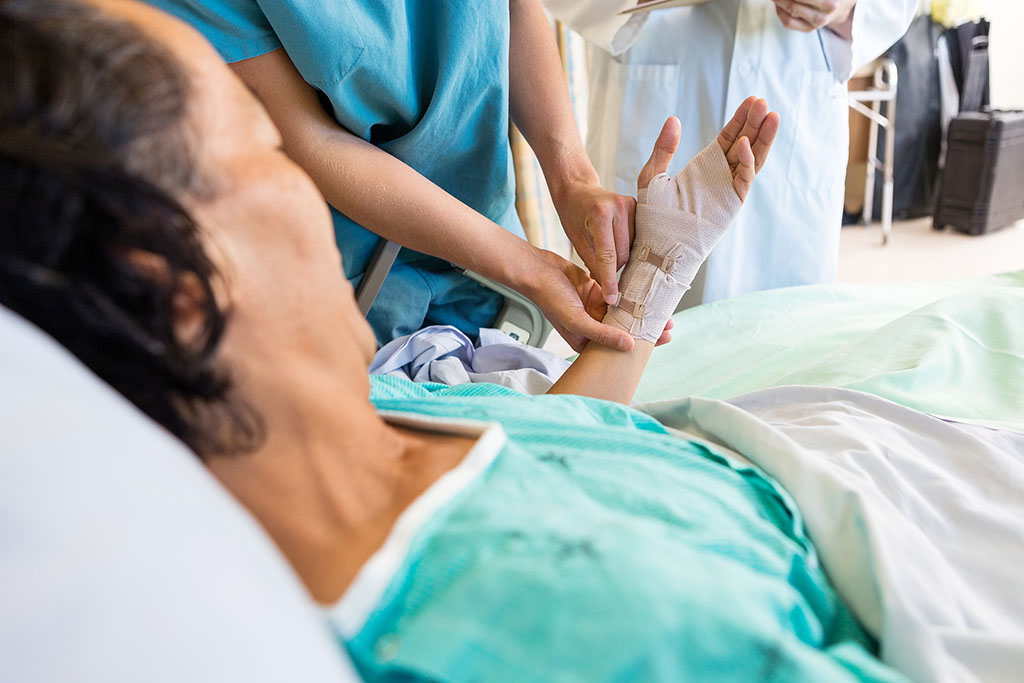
919,521
441,353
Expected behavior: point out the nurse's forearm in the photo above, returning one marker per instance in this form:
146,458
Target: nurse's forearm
379,191
601,372
394,201
539,98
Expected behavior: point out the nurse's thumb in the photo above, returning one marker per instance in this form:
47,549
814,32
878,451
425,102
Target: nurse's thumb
604,334
664,148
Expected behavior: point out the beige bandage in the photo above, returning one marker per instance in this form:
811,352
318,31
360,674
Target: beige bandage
678,221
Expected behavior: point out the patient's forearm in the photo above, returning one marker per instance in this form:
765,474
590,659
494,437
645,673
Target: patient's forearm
601,372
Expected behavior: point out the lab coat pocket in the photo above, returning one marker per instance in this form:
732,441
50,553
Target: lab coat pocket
817,159
647,95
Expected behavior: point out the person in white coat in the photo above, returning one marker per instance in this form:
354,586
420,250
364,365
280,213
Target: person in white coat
699,63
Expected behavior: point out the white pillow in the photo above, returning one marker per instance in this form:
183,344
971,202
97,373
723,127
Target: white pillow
121,557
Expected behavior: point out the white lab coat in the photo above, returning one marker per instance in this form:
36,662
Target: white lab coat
699,63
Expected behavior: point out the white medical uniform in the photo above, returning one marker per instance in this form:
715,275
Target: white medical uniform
699,63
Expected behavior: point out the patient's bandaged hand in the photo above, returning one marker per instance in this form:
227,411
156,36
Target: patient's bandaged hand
678,221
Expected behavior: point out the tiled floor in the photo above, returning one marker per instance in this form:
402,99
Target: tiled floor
916,253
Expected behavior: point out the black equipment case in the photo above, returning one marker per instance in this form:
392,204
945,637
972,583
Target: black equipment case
983,182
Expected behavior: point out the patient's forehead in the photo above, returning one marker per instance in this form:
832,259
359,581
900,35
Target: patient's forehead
159,25
223,111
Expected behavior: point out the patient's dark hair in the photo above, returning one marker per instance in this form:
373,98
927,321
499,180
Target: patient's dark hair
94,248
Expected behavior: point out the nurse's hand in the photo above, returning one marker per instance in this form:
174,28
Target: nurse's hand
574,303
810,15
599,223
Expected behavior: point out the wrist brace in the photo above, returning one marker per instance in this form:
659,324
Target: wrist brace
678,221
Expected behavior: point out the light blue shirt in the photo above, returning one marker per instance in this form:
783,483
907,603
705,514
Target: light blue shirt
425,81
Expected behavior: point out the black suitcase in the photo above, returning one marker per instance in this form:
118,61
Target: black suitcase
983,182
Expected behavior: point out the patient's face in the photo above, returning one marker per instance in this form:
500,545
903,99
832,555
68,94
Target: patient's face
268,228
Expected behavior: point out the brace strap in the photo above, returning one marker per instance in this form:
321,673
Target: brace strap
667,264
633,308
660,262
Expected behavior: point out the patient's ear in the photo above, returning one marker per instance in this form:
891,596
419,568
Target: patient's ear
189,307
189,304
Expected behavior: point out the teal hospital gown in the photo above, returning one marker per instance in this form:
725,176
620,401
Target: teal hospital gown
424,80
579,541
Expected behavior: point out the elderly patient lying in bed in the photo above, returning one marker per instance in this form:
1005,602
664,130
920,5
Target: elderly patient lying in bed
152,225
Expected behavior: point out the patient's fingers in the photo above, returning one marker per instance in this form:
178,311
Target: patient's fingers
765,137
744,174
664,147
666,334
751,127
732,129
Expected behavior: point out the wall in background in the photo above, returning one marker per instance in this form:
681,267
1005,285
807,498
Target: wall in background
1006,50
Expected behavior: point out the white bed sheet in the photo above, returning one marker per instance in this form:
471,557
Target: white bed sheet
919,521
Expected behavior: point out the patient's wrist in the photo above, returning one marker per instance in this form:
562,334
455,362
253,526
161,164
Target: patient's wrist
650,288
678,221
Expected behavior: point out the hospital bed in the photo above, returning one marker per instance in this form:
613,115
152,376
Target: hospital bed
954,349
894,417
77,498
921,529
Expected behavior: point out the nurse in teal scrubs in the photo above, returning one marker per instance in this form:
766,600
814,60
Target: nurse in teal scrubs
400,113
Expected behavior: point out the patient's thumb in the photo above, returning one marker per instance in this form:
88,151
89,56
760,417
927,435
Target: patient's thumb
664,148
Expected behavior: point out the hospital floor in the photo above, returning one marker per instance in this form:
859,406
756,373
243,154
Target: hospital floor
915,253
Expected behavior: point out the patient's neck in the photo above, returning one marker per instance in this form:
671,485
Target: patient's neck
330,481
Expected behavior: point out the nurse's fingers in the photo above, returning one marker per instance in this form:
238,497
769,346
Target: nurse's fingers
751,127
791,22
826,6
622,231
765,136
664,147
807,11
732,130
604,265
743,175
594,303
582,327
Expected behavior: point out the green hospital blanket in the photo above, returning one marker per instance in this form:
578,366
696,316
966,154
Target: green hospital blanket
953,349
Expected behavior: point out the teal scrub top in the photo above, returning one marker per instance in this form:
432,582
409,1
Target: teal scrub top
424,80
595,546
